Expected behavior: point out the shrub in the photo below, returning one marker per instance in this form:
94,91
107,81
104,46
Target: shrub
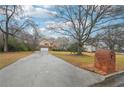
58,49
73,47
15,45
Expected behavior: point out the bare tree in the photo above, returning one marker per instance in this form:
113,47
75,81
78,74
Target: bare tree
7,14
36,34
112,36
80,21
1,41
93,41
62,43
11,24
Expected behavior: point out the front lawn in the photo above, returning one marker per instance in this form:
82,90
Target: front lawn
86,60
75,59
11,57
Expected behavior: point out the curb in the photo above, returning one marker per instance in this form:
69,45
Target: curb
113,75
107,78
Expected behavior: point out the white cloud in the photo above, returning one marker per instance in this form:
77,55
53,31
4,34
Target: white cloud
48,33
58,25
38,11
47,6
42,29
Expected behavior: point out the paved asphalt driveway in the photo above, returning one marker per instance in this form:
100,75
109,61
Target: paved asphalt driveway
116,81
39,70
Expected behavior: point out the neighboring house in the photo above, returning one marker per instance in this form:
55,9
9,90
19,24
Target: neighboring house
89,48
122,49
98,45
46,43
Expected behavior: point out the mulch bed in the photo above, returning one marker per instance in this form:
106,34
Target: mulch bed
90,67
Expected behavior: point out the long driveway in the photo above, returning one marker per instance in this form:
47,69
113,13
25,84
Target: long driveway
38,70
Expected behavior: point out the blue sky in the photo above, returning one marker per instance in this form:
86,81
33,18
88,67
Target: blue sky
42,15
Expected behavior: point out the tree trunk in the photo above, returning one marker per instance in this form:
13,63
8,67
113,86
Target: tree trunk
5,43
111,47
79,51
6,35
119,48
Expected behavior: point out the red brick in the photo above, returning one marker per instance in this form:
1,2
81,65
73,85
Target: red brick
105,60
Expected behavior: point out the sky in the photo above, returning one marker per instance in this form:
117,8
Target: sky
42,16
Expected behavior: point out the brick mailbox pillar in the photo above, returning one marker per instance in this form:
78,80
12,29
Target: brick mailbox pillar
105,60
